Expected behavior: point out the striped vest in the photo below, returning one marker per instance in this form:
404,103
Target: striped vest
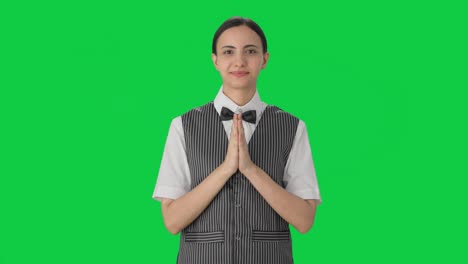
238,226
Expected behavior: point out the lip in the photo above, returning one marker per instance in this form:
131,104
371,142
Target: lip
239,73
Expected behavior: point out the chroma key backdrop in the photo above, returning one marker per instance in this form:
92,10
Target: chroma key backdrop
88,90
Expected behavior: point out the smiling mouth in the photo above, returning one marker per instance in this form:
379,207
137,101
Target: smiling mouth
239,73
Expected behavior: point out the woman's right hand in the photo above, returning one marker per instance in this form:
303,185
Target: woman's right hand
231,162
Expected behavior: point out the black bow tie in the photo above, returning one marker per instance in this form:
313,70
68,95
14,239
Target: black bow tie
248,116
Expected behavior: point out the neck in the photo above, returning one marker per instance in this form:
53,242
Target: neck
239,96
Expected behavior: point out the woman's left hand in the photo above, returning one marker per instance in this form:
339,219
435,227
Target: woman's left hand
245,163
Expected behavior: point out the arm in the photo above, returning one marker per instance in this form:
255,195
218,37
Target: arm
295,210
183,211
298,212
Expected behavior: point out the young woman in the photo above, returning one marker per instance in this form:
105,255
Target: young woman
236,172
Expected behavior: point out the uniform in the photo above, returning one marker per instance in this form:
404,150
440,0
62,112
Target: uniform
238,226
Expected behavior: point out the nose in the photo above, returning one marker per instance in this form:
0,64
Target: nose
240,60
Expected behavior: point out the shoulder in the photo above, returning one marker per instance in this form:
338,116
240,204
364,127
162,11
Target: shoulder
176,126
199,109
197,116
276,111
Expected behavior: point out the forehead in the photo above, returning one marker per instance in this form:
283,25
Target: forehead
239,36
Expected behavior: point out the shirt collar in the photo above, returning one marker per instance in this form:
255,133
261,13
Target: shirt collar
254,104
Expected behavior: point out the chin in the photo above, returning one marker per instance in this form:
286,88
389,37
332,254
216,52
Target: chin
238,84
238,87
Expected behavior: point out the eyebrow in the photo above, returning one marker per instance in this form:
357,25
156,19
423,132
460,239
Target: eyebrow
246,46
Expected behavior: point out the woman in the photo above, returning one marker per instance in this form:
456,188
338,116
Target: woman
236,172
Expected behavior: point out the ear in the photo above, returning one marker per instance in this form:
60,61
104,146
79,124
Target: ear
214,58
266,56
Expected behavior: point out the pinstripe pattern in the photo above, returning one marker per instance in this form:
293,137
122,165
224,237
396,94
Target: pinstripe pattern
238,226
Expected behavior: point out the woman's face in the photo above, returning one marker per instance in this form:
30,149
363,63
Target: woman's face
240,57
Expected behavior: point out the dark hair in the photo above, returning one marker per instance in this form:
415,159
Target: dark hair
235,22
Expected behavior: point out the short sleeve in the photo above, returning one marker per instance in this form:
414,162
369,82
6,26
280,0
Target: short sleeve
299,174
174,175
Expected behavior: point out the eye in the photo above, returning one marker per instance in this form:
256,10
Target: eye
227,52
251,51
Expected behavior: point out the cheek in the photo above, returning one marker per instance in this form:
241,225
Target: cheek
256,68
223,64
257,63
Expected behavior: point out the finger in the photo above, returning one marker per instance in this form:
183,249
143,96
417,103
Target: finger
239,137
236,130
234,136
241,127
238,127
233,129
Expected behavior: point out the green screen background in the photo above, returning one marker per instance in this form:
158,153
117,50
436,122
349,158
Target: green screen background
89,88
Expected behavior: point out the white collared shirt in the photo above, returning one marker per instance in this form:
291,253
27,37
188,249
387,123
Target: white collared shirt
174,174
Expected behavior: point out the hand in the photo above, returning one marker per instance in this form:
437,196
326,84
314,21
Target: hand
245,163
231,162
